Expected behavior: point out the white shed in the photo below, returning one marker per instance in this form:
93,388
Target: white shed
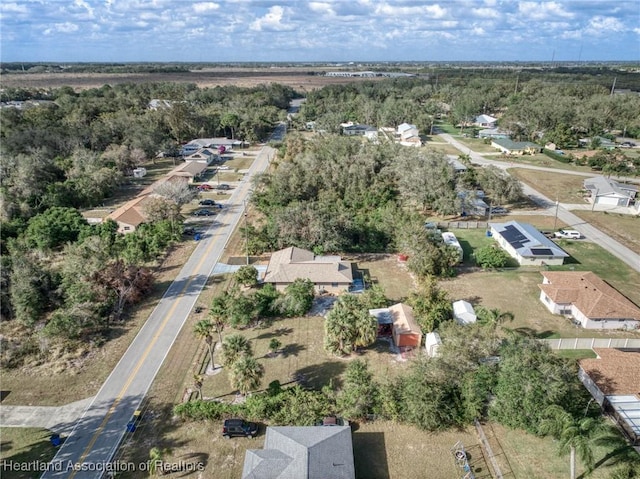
463,312
432,343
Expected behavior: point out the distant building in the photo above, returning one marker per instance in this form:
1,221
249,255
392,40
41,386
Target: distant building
485,121
510,147
605,191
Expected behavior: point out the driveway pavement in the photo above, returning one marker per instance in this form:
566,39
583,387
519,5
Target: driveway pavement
60,419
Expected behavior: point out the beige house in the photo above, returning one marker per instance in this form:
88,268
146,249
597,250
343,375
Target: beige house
588,300
328,273
613,379
130,215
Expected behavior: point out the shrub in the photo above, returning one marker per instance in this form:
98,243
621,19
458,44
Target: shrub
491,256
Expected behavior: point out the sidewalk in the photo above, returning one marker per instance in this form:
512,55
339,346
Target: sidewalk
58,419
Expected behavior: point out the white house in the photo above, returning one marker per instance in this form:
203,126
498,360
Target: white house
587,299
613,379
432,343
463,312
359,130
485,121
526,244
605,191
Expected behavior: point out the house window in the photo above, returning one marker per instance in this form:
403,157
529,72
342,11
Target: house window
334,285
547,300
127,228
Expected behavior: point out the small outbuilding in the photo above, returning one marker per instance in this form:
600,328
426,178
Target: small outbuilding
432,343
463,312
405,331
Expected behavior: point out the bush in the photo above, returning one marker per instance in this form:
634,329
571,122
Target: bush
491,256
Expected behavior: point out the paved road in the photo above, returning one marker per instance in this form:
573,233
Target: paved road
615,248
97,435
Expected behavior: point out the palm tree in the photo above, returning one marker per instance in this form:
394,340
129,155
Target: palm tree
204,329
366,329
156,460
575,436
493,316
197,382
235,347
246,374
218,313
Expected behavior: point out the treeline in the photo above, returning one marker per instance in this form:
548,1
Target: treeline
530,106
77,149
336,194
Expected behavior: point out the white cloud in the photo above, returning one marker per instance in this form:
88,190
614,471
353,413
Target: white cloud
322,7
600,25
66,27
485,12
543,10
12,8
84,5
431,11
272,21
479,31
205,7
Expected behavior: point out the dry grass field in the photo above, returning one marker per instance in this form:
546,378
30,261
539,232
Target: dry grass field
566,188
296,78
623,228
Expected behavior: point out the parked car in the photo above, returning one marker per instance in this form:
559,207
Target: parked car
239,427
203,212
223,186
188,231
207,202
499,210
568,234
627,144
332,421
204,187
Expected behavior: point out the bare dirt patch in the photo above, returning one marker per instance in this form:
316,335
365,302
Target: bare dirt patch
298,79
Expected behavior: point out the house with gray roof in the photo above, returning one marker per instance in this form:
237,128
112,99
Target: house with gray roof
605,191
526,244
328,273
309,452
510,147
485,121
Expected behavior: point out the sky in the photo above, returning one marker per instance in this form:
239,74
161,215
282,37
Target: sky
318,31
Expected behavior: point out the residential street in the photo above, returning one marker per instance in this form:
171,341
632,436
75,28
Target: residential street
593,234
97,435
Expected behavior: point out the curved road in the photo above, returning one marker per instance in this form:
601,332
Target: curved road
90,447
614,247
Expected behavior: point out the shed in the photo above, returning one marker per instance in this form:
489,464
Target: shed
432,343
463,312
406,332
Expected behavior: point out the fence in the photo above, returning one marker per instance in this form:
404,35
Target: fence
463,225
590,343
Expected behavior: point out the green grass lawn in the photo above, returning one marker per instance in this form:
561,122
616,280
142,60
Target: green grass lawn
576,353
21,446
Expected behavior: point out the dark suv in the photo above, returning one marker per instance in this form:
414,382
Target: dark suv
239,427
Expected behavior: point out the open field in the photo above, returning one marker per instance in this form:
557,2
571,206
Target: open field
21,446
623,228
566,188
298,78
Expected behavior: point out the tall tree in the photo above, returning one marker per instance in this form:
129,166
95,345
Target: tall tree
348,326
204,330
246,374
234,347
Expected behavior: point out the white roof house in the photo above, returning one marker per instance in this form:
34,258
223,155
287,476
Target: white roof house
486,120
605,191
463,312
526,244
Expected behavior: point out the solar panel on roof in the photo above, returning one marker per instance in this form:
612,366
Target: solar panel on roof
541,252
514,237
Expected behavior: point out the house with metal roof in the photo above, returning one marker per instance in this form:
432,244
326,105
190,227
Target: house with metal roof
328,273
296,452
613,379
588,300
359,130
605,191
485,121
510,147
526,244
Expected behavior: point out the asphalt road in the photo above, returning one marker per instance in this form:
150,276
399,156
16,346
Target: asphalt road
593,234
90,447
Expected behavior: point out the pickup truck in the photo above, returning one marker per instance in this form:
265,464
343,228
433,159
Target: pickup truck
568,234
